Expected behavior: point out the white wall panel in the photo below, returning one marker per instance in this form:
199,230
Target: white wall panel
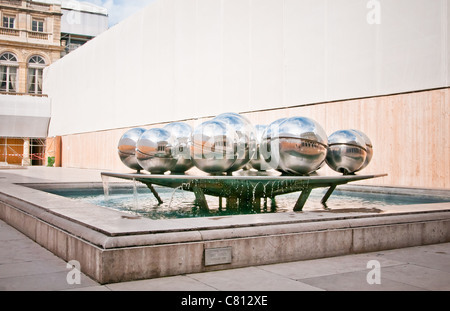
83,23
184,59
24,116
304,63
185,12
266,54
208,44
236,32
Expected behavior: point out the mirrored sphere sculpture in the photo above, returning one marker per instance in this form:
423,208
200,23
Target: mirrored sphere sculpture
302,145
213,146
369,148
268,148
154,151
182,133
127,148
246,138
346,151
258,162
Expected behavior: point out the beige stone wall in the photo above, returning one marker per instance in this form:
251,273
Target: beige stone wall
410,133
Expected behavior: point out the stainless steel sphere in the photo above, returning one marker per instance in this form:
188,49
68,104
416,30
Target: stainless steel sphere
246,138
154,151
302,145
182,133
268,148
127,148
346,151
257,161
369,148
213,146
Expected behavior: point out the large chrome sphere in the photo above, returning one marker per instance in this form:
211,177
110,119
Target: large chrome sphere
258,162
268,148
346,151
182,133
154,151
213,146
302,145
246,138
127,148
369,148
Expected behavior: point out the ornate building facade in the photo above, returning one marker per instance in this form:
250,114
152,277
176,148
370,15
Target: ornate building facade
30,40
33,35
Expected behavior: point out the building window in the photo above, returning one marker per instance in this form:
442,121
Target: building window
8,21
37,25
36,66
8,72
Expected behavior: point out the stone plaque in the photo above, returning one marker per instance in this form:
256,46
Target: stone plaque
217,256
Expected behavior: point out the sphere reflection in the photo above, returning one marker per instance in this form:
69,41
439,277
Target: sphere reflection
302,145
127,148
154,151
213,146
245,145
346,151
182,133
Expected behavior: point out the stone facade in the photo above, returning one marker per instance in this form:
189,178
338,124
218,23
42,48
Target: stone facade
30,34
24,42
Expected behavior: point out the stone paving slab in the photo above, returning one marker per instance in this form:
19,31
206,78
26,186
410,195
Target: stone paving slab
317,268
171,283
55,281
250,279
356,281
424,277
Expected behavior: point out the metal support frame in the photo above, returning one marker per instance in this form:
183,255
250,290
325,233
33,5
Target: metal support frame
200,198
155,193
327,195
302,200
245,191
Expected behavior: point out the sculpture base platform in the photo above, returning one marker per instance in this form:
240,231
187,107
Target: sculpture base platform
244,190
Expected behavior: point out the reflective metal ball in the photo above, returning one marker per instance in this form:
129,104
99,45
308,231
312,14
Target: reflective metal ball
302,145
154,151
246,138
268,148
369,148
258,162
346,151
213,146
127,148
182,133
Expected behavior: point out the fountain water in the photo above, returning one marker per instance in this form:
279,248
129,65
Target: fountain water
105,181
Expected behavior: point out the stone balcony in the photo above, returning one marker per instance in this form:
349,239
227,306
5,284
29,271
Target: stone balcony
23,34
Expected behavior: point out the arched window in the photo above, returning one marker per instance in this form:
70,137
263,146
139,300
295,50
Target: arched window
36,66
8,72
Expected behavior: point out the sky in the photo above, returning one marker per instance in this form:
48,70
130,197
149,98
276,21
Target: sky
118,10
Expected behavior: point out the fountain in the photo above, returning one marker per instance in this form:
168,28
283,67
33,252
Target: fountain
113,246
228,148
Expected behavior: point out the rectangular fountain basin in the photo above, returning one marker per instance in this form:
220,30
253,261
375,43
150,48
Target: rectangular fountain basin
113,246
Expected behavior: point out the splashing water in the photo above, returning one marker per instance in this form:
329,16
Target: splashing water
135,195
105,181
